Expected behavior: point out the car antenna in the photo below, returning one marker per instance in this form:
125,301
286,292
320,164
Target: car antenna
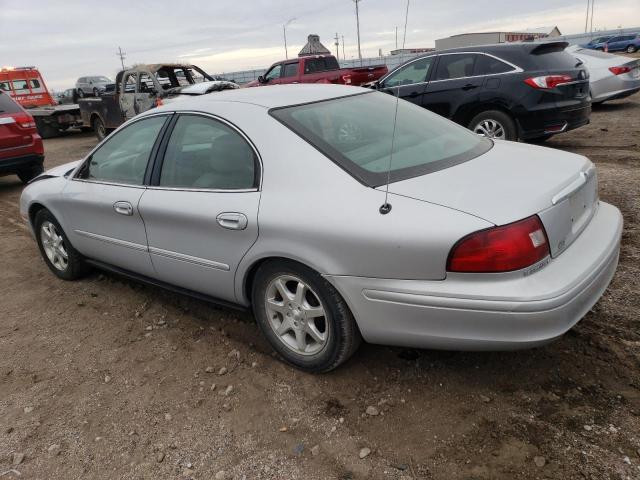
386,206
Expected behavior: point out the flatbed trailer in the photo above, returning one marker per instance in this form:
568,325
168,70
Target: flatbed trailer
26,86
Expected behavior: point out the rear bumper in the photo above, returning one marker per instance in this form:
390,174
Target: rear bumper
553,120
615,88
13,164
490,312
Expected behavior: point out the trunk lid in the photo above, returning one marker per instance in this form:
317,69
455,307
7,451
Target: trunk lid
513,181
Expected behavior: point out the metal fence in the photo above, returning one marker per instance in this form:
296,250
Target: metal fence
581,38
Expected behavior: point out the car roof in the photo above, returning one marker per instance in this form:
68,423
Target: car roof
273,96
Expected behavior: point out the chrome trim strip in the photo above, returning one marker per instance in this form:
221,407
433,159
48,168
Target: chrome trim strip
102,182
188,258
113,241
205,190
516,68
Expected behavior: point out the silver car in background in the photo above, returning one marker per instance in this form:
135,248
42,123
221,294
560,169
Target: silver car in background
275,199
611,77
92,86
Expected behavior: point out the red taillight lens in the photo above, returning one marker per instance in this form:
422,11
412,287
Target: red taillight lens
619,70
501,249
549,81
24,120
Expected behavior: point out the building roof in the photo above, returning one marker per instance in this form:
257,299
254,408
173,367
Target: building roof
313,47
533,31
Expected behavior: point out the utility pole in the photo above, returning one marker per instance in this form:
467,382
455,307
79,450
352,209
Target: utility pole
122,56
396,37
337,44
592,2
284,33
358,27
406,18
586,20
343,55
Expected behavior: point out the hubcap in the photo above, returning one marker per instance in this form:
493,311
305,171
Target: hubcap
296,315
53,245
490,128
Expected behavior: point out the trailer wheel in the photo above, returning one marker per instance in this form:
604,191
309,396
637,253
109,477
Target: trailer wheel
99,128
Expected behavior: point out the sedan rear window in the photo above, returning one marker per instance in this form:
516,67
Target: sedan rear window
7,105
356,133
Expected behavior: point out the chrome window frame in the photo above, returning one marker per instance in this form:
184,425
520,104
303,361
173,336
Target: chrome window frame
516,68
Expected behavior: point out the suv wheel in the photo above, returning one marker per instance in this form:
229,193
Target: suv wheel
494,124
303,317
27,174
631,49
95,92
58,253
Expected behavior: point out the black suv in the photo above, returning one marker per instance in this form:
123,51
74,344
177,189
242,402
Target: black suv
527,91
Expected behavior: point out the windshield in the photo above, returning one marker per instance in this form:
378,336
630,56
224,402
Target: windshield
356,133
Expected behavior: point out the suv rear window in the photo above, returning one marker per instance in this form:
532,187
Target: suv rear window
341,128
7,105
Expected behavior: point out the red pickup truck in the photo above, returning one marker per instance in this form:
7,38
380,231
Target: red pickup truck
317,69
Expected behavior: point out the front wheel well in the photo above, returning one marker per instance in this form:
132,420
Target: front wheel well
33,211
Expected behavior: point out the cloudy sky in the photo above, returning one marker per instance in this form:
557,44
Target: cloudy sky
68,38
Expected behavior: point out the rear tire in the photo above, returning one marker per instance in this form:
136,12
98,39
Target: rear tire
47,130
315,316
494,124
62,259
99,128
631,49
27,174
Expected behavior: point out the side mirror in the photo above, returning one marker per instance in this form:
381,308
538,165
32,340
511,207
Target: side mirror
261,79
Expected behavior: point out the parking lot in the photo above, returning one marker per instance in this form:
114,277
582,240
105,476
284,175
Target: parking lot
106,378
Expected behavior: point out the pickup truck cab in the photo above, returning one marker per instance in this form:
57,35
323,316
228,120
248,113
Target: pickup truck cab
142,88
317,69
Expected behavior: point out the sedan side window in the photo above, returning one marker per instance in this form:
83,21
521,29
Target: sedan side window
124,156
204,153
455,66
415,72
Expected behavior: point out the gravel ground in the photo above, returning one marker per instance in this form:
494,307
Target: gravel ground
106,378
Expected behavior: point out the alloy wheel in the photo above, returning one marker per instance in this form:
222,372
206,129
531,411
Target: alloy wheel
53,245
490,128
296,315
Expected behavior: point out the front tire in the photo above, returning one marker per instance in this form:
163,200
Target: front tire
303,316
494,124
631,49
58,253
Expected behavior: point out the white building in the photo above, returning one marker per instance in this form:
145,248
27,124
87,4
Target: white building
488,38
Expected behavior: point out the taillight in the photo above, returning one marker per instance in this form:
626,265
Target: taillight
501,249
548,81
23,120
619,70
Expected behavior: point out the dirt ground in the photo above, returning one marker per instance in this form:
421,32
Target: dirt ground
105,378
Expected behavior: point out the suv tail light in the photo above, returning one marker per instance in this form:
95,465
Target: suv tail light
548,81
501,249
619,70
22,119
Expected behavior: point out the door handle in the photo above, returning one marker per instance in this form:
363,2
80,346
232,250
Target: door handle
232,220
123,208
469,86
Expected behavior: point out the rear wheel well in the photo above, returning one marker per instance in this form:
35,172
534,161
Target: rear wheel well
464,117
251,273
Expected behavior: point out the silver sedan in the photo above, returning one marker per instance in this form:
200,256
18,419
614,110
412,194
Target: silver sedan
337,214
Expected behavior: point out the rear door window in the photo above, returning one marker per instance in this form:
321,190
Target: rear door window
290,70
486,65
454,66
321,64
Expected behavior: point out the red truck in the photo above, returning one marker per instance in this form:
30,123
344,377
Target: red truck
317,69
